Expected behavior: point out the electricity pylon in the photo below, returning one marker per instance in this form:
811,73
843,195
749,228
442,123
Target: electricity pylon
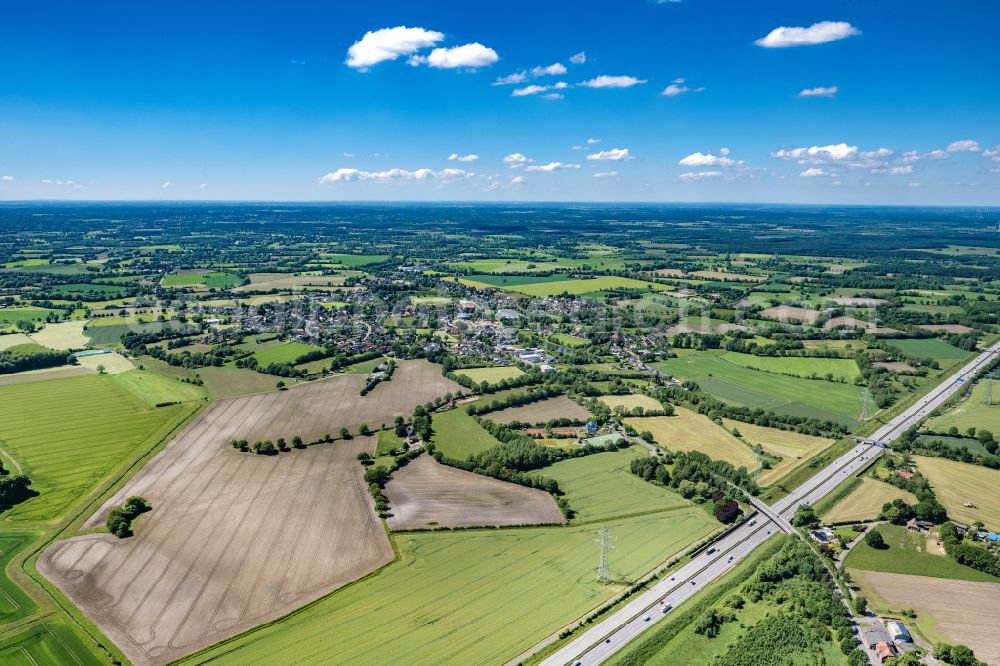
866,405
603,576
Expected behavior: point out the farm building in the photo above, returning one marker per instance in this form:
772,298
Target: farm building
885,651
873,637
898,632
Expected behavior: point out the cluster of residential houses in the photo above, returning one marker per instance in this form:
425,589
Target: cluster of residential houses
887,642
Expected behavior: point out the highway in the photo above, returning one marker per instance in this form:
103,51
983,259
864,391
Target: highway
604,639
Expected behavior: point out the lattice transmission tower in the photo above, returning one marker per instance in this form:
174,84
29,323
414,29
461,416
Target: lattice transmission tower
603,576
988,400
866,405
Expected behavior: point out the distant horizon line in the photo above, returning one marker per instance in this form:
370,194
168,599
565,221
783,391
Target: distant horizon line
483,202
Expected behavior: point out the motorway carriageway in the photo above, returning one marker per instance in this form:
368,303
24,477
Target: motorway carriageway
604,639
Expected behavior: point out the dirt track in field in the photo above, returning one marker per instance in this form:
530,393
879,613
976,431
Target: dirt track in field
235,539
426,492
959,611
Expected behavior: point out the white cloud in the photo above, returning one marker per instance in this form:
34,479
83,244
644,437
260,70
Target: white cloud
348,175
699,159
552,96
516,77
455,157
819,91
7,178
913,184
528,90
593,141
895,171
605,81
167,185
468,55
551,166
834,152
994,170
578,58
698,175
673,90
555,69
879,154
517,180
605,174
723,151
614,155
389,44
964,146
515,160
814,172
817,33
938,155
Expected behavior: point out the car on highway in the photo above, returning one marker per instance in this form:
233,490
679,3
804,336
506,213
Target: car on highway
645,619
666,608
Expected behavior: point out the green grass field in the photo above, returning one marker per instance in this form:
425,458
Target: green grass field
956,483
908,554
971,412
800,366
572,341
792,448
354,259
364,367
49,643
586,286
285,352
510,281
14,603
480,596
741,386
601,486
153,388
88,291
458,436
934,348
216,279
24,313
68,434
491,375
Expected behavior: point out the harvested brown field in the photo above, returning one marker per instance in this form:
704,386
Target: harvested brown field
631,401
858,302
236,539
288,281
729,277
233,540
541,411
949,328
45,373
788,313
953,611
426,493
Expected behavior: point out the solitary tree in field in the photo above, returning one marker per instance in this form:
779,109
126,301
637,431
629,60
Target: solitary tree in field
101,369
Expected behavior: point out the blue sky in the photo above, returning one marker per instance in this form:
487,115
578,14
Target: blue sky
840,102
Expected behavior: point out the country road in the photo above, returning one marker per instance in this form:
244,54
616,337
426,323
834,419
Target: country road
604,639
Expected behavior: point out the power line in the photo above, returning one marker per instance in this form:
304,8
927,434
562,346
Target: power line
866,405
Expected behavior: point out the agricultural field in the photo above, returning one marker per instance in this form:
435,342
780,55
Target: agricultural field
585,286
458,436
46,643
571,341
290,282
865,502
840,369
233,540
741,386
14,603
15,314
282,353
492,375
792,448
426,493
68,434
971,412
913,553
790,314
952,611
9,340
956,484
541,411
452,593
353,260
934,348
113,363
631,401
62,335
210,279
600,486
690,431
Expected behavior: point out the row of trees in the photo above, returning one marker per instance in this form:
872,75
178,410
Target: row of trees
30,356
